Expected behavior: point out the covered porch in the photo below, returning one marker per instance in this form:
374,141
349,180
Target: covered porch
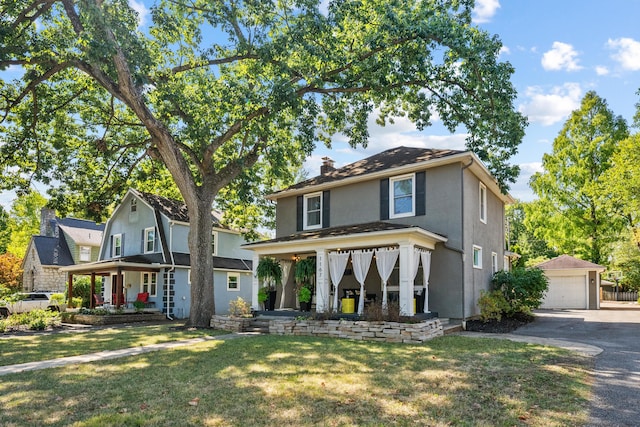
382,262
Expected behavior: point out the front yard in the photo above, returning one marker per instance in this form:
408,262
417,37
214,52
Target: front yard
305,381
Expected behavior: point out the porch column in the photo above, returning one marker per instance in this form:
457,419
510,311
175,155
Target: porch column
406,279
322,281
92,302
255,283
70,289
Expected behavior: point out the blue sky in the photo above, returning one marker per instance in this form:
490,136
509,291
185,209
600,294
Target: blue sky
560,50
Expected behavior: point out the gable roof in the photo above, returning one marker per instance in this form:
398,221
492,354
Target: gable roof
389,159
173,209
83,236
565,262
52,251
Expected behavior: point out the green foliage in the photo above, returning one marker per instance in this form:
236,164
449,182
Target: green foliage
305,271
270,272
58,298
626,258
24,221
239,111
35,319
304,294
240,308
263,294
5,232
523,289
492,305
574,212
522,234
138,305
82,289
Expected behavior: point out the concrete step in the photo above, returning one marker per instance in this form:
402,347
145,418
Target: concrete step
452,327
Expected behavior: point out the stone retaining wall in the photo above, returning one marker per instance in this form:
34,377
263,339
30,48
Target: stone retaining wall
360,330
233,324
111,319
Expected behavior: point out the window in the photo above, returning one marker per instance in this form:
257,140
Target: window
134,205
214,241
477,256
149,239
85,253
233,281
483,202
313,211
494,262
402,189
149,283
116,248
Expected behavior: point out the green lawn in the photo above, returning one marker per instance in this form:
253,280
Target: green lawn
42,346
304,381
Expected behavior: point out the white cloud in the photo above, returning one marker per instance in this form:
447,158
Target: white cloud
504,50
528,169
552,107
627,52
142,11
601,70
562,56
484,10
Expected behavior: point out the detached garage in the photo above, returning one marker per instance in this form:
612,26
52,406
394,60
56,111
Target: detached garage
573,283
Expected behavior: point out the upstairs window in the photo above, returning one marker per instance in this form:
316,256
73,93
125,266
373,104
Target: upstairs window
149,239
134,205
313,211
116,248
482,193
214,243
402,190
85,253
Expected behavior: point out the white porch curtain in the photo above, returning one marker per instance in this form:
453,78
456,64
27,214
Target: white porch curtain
286,269
426,269
337,265
385,261
361,262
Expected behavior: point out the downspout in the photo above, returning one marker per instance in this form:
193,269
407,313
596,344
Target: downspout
464,317
173,266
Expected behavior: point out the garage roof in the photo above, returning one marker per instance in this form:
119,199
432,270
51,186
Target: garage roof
566,262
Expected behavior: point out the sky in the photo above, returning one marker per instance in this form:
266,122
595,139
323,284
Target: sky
560,50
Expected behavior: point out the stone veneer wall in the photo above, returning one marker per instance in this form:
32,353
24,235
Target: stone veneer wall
44,278
395,332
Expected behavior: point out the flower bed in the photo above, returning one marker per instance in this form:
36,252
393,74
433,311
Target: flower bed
111,319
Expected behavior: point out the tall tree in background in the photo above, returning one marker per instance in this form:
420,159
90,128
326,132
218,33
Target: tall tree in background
24,221
521,234
573,200
238,91
5,234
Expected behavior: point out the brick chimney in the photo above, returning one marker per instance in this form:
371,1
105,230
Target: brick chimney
327,166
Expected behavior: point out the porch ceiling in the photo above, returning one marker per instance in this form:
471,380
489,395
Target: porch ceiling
360,236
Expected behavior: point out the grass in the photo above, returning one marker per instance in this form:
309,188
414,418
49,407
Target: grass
305,381
34,347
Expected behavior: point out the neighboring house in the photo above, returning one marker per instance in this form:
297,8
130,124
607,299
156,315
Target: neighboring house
573,283
145,249
62,242
441,203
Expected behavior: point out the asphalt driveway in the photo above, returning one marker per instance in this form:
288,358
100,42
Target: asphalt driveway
616,400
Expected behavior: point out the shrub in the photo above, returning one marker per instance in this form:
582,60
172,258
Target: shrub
58,298
263,294
239,308
375,313
3,325
492,305
522,288
82,288
34,319
77,302
138,305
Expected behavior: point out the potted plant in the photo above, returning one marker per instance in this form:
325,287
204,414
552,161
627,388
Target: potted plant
304,296
304,273
270,272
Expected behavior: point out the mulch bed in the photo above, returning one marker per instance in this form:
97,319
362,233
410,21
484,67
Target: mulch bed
505,325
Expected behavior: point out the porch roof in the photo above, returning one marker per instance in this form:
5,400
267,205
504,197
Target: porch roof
374,234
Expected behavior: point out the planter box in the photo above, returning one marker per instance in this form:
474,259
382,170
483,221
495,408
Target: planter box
112,319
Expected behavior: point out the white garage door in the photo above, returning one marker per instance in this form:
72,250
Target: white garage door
566,292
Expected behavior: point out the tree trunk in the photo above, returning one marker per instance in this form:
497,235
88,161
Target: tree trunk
202,296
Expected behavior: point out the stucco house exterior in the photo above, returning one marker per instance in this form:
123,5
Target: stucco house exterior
434,218
145,250
62,242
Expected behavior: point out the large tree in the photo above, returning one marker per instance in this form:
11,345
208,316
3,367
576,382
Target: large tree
237,91
24,221
522,237
573,200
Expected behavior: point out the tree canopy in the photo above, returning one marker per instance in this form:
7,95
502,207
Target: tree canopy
574,203
236,91
24,221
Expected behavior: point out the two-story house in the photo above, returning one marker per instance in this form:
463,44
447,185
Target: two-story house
439,213
61,242
145,250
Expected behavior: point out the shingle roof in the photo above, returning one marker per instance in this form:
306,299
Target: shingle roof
184,260
172,209
388,159
337,231
52,251
564,262
83,236
80,223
